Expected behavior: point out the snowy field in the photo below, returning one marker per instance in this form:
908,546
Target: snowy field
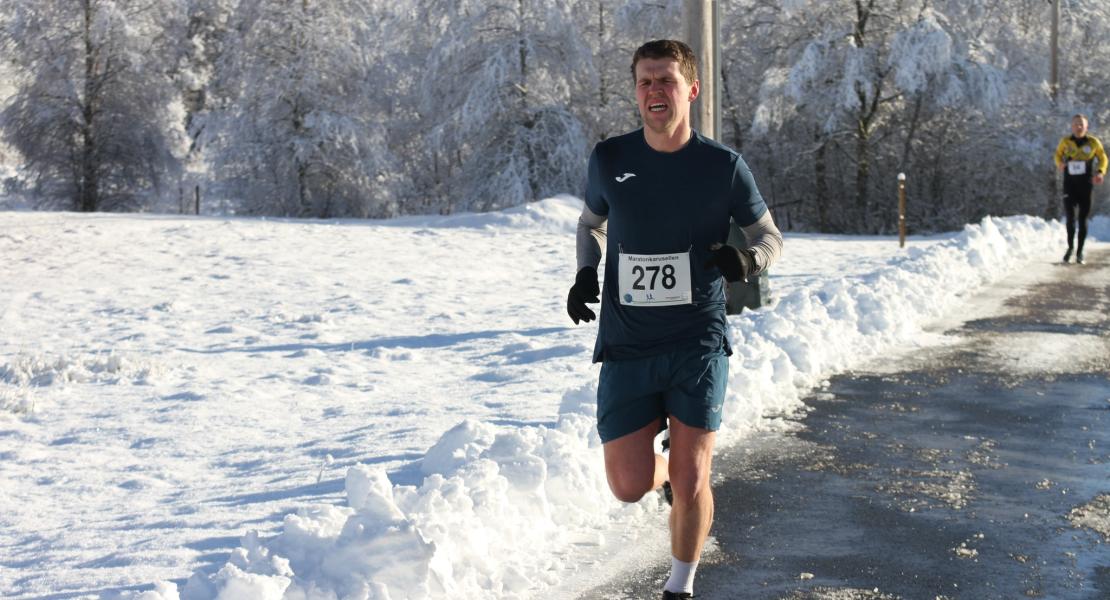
259,409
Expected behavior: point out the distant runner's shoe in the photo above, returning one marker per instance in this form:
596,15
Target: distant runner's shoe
1067,255
673,596
1079,259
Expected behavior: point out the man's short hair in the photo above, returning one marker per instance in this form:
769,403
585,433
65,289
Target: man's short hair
673,49
1081,116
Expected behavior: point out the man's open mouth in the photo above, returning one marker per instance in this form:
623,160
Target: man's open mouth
658,107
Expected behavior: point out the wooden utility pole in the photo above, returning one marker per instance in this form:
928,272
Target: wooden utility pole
699,18
700,22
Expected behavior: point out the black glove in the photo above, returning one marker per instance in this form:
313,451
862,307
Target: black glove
585,289
734,263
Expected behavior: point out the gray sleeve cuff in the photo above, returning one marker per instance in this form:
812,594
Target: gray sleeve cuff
590,238
764,241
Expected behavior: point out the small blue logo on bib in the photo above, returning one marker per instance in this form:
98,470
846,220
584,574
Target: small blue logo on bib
628,298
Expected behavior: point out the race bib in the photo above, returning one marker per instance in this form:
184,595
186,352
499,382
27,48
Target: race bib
655,279
1077,167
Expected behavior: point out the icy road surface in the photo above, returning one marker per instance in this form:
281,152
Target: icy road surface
979,468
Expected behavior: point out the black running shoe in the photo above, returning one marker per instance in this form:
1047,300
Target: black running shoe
1067,255
1079,259
673,596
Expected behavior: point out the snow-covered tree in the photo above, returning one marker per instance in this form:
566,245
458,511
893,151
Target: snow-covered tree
1085,62
497,88
9,159
377,108
866,86
207,33
95,114
292,132
610,32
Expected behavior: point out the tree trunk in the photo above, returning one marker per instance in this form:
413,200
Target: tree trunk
303,207
821,185
936,184
89,198
1052,210
522,48
863,13
863,174
602,83
863,123
528,121
733,119
904,164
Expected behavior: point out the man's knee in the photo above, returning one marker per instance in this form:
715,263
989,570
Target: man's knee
629,487
689,484
631,463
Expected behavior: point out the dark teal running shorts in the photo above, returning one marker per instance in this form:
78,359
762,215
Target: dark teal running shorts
687,384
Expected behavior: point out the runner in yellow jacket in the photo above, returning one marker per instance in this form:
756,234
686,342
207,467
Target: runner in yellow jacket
1082,159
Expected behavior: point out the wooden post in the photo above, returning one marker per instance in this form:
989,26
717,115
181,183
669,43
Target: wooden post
901,210
701,34
196,196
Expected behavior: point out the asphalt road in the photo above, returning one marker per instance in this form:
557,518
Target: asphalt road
976,469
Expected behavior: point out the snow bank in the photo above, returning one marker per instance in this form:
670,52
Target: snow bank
496,516
505,512
782,353
552,215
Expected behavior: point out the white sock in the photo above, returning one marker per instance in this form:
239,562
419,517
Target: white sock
682,577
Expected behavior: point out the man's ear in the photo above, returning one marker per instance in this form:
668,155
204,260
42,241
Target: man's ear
694,89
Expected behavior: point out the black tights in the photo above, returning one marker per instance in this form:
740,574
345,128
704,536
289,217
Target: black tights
1077,201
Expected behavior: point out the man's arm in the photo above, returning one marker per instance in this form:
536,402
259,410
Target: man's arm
590,238
764,242
1100,154
1058,156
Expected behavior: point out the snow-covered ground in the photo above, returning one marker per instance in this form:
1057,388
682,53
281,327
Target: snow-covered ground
262,409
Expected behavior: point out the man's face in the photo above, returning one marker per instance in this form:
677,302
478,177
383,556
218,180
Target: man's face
663,94
1079,127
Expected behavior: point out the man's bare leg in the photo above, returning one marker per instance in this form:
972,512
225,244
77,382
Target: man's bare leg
691,457
632,466
633,469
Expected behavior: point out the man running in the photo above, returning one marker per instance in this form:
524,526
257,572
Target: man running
1075,157
659,199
